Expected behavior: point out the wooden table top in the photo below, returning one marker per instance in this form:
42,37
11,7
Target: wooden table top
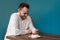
25,37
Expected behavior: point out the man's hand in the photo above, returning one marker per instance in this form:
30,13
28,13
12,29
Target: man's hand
28,31
36,32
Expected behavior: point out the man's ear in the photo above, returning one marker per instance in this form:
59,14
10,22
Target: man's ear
19,9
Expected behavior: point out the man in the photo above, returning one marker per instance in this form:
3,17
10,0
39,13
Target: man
20,23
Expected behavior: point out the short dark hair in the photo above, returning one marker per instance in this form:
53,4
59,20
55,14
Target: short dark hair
23,5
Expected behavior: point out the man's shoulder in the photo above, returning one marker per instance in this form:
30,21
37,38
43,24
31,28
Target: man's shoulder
28,17
14,14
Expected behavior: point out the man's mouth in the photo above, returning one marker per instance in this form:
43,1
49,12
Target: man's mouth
23,17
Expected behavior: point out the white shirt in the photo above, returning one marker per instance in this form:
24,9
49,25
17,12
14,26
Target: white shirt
17,26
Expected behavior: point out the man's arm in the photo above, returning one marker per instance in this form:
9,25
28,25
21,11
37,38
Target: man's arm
32,28
12,26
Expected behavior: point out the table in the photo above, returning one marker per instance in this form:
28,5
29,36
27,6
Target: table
25,37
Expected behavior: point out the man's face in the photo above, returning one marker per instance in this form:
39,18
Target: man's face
23,12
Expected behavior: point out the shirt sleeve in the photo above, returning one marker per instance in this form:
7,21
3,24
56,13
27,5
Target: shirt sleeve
31,27
12,26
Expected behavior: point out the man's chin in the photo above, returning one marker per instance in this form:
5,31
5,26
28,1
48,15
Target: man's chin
23,18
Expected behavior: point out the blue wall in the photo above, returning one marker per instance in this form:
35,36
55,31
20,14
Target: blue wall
45,15
7,7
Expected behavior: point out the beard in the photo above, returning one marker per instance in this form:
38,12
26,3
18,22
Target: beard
23,17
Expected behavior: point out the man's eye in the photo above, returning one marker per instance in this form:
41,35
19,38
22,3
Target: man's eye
25,13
